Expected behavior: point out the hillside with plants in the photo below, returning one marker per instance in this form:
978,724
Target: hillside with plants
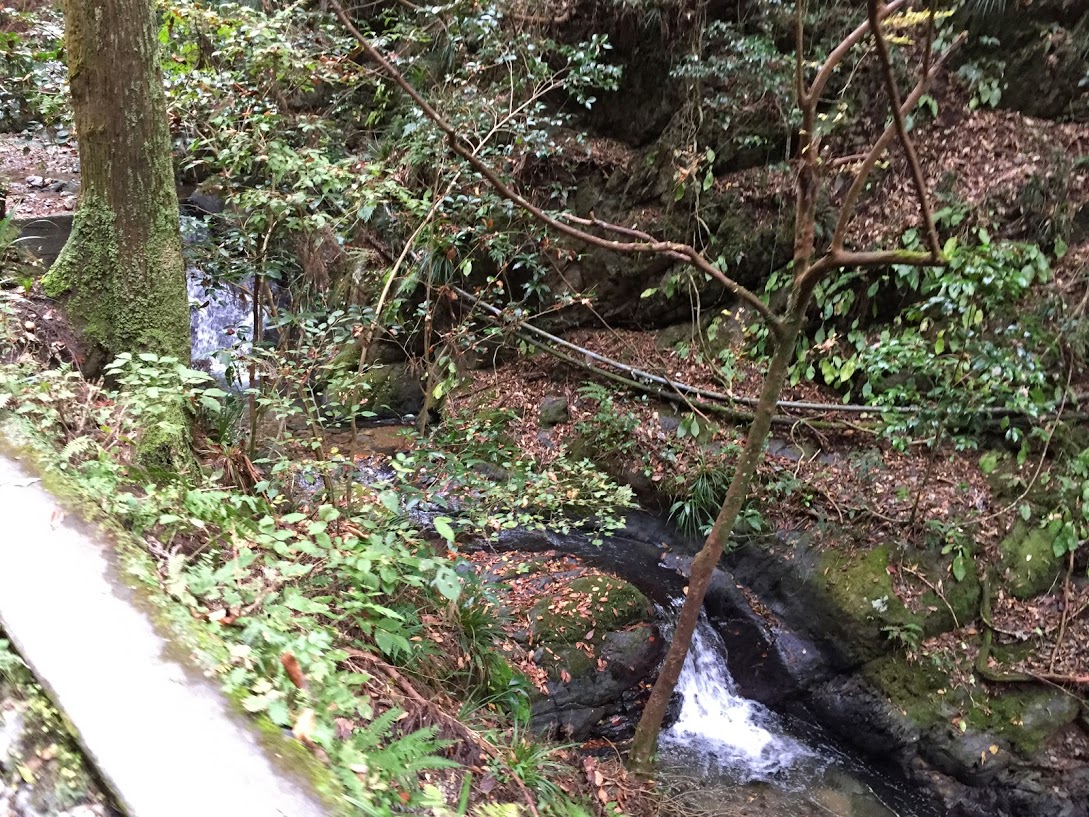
537,347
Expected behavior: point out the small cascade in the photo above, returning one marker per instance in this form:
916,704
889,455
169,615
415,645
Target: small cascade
221,318
722,732
220,315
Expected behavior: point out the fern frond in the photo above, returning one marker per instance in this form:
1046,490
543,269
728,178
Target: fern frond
400,757
76,447
498,810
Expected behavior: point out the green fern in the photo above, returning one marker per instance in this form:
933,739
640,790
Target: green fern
399,758
76,447
498,810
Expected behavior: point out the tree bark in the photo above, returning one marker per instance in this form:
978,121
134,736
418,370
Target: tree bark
703,566
121,274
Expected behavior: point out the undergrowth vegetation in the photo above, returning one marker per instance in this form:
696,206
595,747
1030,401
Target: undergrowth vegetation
328,599
332,586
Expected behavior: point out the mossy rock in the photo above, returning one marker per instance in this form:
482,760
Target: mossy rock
913,687
1028,561
1026,715
863,600
960,604
1020,716
560,658
600,604
392,390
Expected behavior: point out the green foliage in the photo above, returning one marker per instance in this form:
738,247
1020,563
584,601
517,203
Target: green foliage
700,490
745,79
33,80
908,634
492,486
12,667
610,428
313,579
959,347
985,77
1069,484
952,540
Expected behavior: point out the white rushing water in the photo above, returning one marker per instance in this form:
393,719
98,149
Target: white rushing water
221,318
721,731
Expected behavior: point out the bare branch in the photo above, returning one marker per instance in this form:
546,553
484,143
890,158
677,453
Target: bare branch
847,210
647,246
836,57
901,129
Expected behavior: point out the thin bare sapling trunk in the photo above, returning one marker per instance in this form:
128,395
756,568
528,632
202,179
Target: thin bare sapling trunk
784,328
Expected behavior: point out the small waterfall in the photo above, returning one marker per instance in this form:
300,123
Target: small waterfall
719,731
220,315
221,318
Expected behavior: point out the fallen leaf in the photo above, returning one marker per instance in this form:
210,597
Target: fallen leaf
294,671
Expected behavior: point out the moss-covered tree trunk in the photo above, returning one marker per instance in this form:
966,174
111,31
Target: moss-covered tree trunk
121,273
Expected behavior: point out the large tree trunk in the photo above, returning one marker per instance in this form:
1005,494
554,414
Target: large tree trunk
121,272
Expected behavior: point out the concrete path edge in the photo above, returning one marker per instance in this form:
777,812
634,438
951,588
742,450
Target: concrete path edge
217,761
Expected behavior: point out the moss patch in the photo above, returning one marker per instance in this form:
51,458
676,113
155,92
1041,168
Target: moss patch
1028,563
863,598
599,604
1024,715
916,688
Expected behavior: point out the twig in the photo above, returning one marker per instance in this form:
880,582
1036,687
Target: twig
1066,613
881,145
648,245
901,129
937,592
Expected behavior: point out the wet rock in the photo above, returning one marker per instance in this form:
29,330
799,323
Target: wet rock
393,390
596,645
1045,715
851,707
972,757
573,707
202,204
554,411
669,423
36,182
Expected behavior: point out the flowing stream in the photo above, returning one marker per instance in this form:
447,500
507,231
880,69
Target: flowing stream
221,318
729,756
220,315
725,755
719,732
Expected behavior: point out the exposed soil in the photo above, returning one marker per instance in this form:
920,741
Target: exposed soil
38,178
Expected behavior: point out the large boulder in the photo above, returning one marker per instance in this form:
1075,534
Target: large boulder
596,642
